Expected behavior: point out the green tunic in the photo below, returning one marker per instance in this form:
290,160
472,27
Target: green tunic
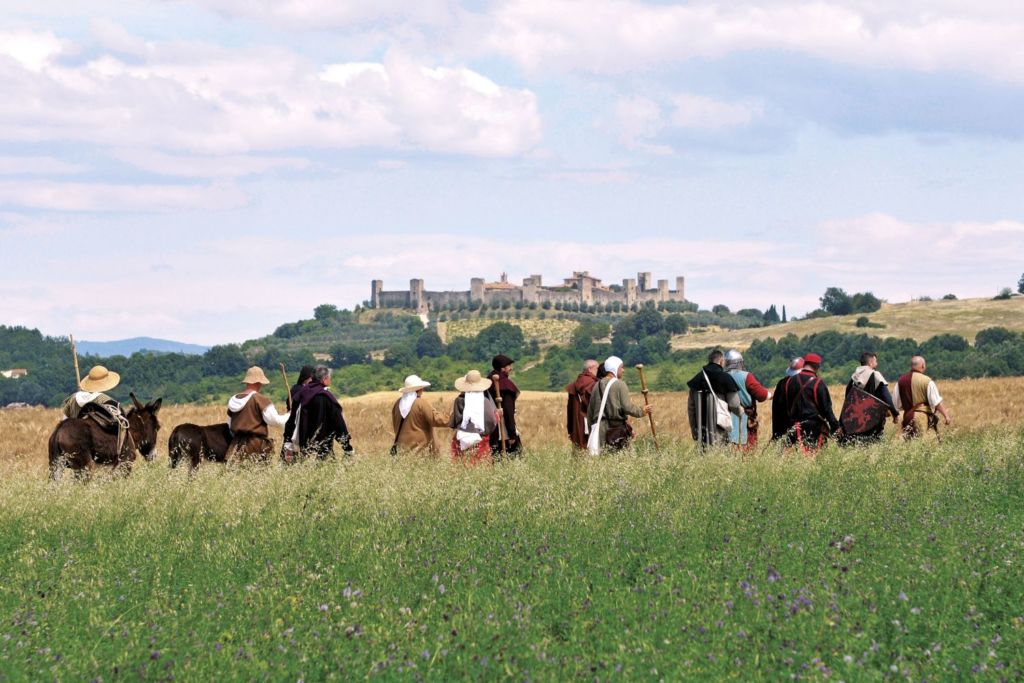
619,407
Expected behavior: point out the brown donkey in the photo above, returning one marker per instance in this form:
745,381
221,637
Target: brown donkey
82,445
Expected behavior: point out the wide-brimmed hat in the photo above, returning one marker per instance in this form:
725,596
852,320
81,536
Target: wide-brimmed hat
501,361
100,379
255,375
413,383
473,381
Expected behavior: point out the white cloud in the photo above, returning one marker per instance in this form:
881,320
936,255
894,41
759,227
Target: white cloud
30,49
105,197
614,36
210,100
318,14
12,165
195,166
698,111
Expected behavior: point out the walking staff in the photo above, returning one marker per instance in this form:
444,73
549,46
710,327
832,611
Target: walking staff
647,402
495,381
74,354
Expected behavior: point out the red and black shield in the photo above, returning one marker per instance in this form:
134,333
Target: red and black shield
862,412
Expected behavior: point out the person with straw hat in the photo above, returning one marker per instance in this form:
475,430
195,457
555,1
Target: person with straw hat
91,397
91,402
250,414
414,420
474,419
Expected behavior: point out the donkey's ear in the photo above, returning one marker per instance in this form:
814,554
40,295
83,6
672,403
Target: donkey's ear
138,405
155,405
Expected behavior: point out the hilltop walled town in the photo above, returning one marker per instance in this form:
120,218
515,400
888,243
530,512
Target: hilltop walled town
582,288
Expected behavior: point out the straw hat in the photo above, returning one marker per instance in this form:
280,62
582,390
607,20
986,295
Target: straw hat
100,379
255,375
473,381
413,383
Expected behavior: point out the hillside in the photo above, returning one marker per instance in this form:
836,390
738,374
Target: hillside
917,320
126,347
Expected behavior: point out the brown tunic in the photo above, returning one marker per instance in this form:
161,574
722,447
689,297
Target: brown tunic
249,420
576,409
417,432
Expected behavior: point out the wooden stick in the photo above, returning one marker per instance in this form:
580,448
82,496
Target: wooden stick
287,391
647,402
495,382
74,354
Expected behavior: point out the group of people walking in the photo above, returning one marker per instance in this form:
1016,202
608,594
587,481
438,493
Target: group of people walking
722,408
722,404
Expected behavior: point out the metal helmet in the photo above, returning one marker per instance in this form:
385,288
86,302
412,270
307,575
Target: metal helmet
733,359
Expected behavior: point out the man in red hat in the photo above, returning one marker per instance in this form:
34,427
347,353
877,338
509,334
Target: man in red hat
805,401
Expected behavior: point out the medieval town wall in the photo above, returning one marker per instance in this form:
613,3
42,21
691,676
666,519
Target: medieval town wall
582,288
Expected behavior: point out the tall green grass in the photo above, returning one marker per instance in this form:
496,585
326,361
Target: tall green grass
896,561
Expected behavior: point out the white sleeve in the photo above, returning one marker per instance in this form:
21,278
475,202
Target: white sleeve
933,395
271,417
896,398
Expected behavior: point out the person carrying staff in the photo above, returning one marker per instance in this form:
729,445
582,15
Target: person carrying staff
614,429
91,402
250,414
805,401
579,391
509,393
916,393
414,420
474,419
288,448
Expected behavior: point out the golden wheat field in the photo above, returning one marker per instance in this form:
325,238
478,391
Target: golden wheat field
975,405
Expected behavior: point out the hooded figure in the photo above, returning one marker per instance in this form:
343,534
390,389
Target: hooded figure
320,420
502,366
287,449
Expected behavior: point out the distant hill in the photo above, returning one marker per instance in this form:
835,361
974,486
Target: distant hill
126,347
917,320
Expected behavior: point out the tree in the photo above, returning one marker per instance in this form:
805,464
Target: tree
676,324
325,312
1004,293
836,301
865,302
343,355
227,359
429,345
1020,284
784,319
498,338
771,316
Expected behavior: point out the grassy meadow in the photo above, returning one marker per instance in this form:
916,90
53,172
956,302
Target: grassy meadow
897,561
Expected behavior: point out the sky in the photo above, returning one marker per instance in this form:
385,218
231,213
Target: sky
205,170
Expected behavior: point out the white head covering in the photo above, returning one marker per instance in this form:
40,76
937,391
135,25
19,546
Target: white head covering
405,403
613,364
469,432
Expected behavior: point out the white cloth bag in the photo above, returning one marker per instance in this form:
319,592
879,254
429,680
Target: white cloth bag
722,416
594,440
